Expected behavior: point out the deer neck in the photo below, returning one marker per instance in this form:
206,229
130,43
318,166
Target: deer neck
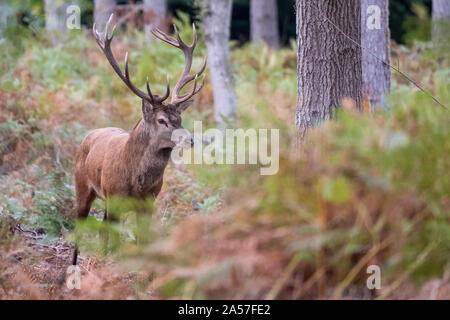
146,160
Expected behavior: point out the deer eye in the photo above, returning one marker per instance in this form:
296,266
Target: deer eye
162,121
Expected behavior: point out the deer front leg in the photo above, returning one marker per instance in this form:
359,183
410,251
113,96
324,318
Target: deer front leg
84,198
143,220
104,233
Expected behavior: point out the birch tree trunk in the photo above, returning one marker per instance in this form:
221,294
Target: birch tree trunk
329,63
155,16
264,22
216,16
55,20
376,39
102,11
441,20
5,12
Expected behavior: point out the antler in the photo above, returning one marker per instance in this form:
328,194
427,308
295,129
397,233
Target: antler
105,44
188,53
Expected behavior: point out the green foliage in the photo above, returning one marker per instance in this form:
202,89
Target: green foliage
87,234
13,205
51,199
380,179
257,65
362,179
50,203
56,67
418,26
336,190
399,11
10,132
127,226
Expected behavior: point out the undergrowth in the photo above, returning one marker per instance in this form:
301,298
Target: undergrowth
365,188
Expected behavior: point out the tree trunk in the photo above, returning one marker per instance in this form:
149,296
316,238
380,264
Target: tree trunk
329,63
216,27
441,20
102,11
55,20
376,39
155,16
5,12
264,22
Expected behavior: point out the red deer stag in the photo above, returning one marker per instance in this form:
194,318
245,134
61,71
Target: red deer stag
112,161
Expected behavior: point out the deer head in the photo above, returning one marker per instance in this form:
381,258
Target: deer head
160,118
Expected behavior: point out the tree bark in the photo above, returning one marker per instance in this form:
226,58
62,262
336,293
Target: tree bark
55,20
329,63
102,11
441,20
216,16
5,12
155,16
264,22
376,40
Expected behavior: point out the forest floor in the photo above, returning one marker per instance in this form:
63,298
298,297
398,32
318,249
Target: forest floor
40,272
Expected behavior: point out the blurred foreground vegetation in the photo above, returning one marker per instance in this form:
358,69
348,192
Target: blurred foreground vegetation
365,189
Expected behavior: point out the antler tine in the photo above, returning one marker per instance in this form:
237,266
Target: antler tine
164,37
185,78
181,44
194,31
104,41
194,91
97,36
201,86
148,90
127,75
191,77
166,95
193,88
107,36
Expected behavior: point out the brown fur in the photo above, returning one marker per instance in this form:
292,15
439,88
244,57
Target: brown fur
112,161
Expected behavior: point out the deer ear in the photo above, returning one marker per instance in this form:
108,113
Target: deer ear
147,109
184,105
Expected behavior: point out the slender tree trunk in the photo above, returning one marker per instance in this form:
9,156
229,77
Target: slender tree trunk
5,13
264,22
55,20
216,26
376,39
155,16
329,63
102,11
441,20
